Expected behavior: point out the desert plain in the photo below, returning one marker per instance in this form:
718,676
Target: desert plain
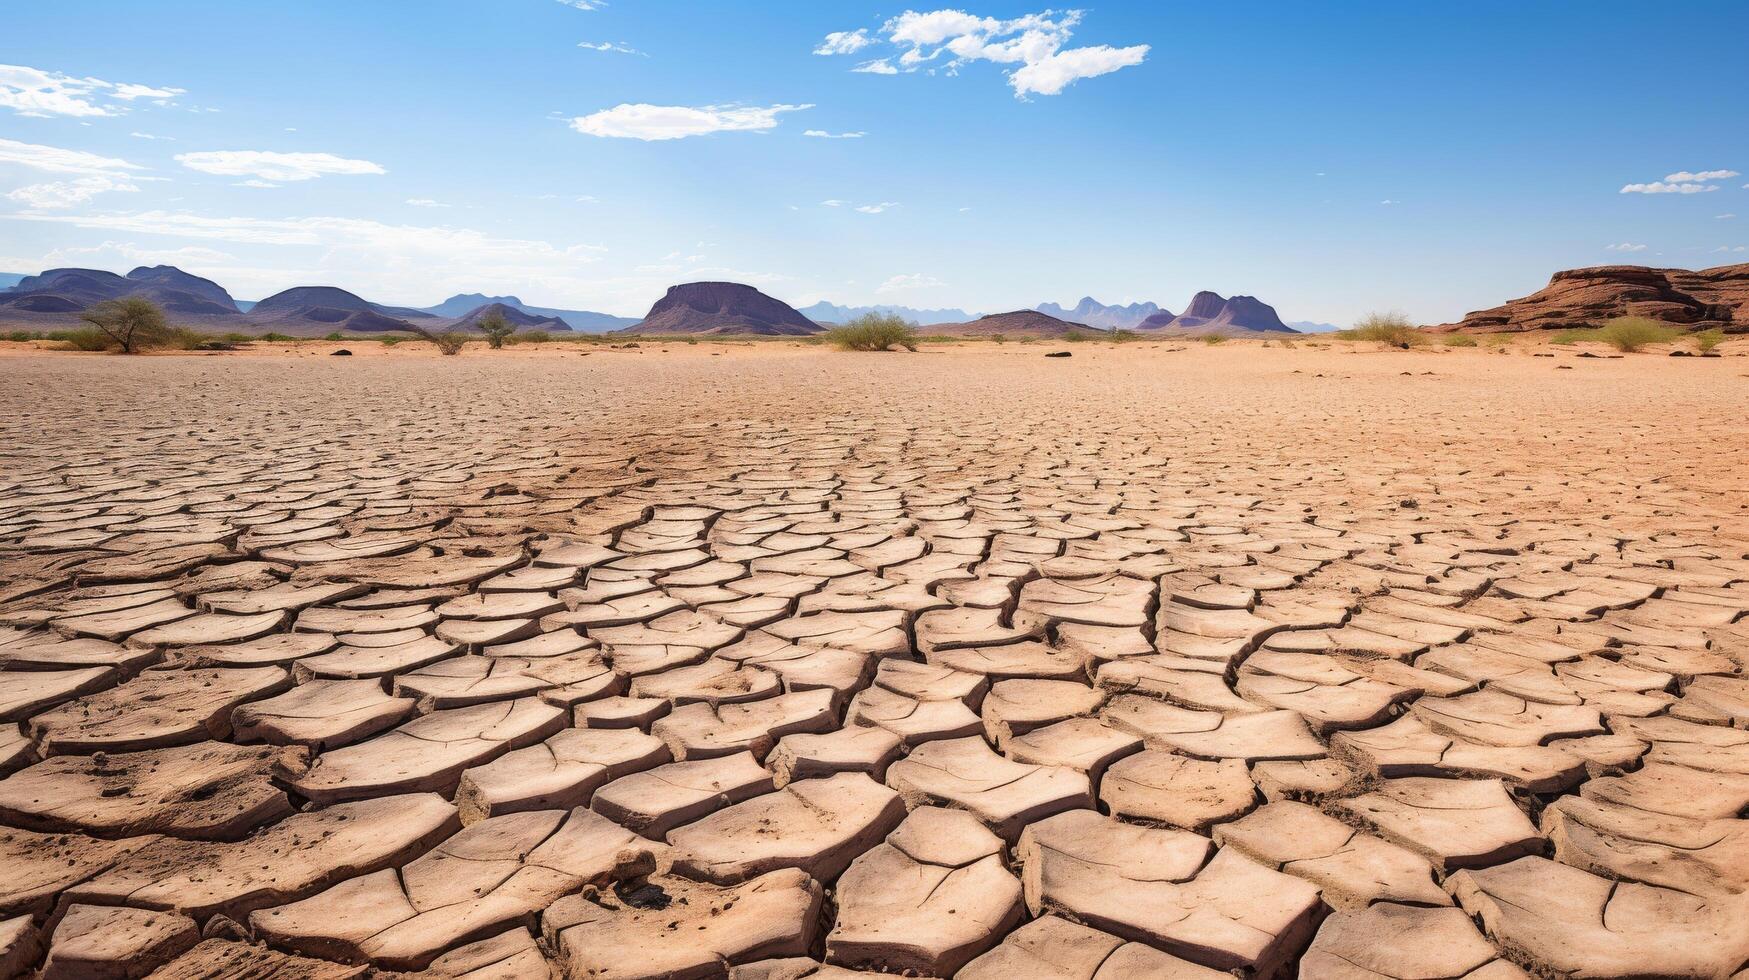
770,661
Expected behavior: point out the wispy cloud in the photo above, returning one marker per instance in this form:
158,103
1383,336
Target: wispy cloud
944,40
916,280
1665,187
845,42
67,193
822,134
1732,248
585,4
1724,217
268,165
1625,247
59,161
149,136
618,47
642,121
877,208
1685,177
35,92
425,202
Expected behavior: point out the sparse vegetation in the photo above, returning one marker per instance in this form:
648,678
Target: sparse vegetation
529,337
1706,340
277,338
1625,333
1213,339
999,338
1074,336
1385,328
1123,336
496,328
874,331
450,342
1459,340
336,335
1630,333
1290,345
85,338
131,324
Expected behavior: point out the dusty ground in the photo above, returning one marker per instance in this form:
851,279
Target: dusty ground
720,660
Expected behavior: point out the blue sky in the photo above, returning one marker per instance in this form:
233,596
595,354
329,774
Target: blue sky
1329,159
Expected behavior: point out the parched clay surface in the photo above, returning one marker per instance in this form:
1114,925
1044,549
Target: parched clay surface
771,662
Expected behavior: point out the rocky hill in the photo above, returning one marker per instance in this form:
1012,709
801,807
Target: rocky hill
462,304
61,294
722,308
1717,297
318,310
1096,314
512,315
1019,323
1212,313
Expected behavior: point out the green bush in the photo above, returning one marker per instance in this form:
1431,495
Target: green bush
450,343
1124,336
336,335
236,338
1630,333
1706,340
874,331
1385,328
277,338
1459,340
390,340
999,338
86,338
1074,336
1213,339
529,337
22,335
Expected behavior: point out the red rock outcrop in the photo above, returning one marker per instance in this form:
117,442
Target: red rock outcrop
1703,300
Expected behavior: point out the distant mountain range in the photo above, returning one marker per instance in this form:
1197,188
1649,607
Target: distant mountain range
56,297
1096,314
1308,326
824,312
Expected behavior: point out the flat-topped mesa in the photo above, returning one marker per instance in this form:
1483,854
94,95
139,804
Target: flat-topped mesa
722,308
1577,298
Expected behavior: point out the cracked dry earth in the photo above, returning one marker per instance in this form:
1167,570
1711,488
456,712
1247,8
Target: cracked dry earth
778,663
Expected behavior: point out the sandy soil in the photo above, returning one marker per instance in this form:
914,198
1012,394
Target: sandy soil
634,662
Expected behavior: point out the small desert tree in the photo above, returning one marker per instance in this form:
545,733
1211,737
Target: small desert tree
450,342
1392,328
496,328
131,324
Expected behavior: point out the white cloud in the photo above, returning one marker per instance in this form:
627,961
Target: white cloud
66,193
149,136
1728,248
255,182
877,208
1051,74
618,47
1684,177
1724,217
34,92
822,134
944,40
915,280
585,4
269,165
58,161
834,203
125,253
425,202
641,121
1388,201
1625,247
845,42
1661,187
